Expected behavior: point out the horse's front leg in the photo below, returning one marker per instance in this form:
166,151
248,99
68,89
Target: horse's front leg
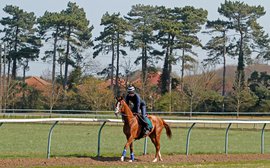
129,141
131,152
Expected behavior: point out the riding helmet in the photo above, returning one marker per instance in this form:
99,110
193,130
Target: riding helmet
131,89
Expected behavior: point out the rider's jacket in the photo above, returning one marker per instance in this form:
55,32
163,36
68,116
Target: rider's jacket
137,102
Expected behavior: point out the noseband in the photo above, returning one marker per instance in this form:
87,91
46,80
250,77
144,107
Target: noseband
118,109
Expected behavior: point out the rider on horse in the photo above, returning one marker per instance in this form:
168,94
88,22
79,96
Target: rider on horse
138,105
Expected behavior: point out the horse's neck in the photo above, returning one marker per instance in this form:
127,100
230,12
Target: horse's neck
128,113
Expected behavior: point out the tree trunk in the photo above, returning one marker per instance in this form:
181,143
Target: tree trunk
165,77
144,69
117,66
1,80
112,64
165,73
53,67
182,69
67,59
14,59
224,72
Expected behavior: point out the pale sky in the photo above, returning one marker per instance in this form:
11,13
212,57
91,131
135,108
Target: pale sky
95,9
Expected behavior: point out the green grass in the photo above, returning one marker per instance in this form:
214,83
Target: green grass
30,140
246,164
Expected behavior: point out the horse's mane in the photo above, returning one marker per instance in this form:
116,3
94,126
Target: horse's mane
126,106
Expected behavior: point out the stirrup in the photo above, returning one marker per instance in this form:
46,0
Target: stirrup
146,132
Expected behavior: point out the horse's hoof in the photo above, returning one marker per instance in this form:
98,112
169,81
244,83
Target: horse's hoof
122,158
155,160
130,161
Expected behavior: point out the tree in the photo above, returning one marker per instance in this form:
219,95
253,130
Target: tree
242,99
192,20
143,18
261,45
177,29
48,100
259,84
21,36
168,26
95,94
77,35
197,88
111,40
51,27
244,22
218,47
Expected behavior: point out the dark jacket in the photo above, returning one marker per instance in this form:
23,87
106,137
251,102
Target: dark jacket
137,102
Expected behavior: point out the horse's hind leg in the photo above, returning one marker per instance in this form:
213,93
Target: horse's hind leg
156,141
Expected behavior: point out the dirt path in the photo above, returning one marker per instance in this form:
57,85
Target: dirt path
113,161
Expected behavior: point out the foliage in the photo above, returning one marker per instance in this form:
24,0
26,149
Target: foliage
96,95
240,100
112,39
211,101
51,27
77,35
244,22
143,20
156,31
177,29
259,84
20,35
13,95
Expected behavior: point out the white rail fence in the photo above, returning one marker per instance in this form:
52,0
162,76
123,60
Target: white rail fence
55,121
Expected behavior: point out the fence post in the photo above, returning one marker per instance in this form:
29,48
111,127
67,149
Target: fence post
49,140
145,146
262,139
188,137
226,138
99,135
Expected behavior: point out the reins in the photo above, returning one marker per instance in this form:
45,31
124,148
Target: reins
126,115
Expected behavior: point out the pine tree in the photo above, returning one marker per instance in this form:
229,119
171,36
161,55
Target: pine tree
112,39
243,18
78,34
21,36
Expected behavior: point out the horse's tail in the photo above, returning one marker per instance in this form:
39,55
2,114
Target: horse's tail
168,129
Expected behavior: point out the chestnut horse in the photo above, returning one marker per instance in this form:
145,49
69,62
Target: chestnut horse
132,129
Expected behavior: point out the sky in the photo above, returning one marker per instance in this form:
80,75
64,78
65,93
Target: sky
95,9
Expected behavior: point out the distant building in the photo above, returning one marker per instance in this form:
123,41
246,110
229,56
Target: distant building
37,83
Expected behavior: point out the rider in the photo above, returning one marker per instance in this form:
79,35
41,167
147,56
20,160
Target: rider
138,104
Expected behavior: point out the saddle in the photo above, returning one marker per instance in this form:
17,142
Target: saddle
143,124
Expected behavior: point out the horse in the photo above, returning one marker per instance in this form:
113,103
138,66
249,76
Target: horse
132,129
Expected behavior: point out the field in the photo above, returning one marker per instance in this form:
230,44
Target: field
77,143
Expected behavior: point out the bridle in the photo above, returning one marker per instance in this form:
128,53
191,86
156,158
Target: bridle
118,108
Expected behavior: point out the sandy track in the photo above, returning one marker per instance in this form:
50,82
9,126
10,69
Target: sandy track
114,161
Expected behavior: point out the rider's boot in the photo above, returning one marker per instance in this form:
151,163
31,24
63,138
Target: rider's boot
147,129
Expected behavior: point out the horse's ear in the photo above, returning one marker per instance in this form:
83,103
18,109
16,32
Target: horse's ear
118,98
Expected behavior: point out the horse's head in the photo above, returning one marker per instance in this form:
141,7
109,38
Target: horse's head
119,105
